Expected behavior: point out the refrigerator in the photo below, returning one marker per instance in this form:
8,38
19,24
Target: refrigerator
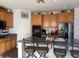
66,31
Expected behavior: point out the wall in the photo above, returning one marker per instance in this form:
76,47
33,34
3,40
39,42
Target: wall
76,24
21,26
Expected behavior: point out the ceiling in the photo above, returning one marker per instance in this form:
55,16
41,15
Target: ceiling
32,5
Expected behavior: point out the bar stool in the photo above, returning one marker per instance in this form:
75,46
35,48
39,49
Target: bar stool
29,48
60,47
75,49
42,48
42,51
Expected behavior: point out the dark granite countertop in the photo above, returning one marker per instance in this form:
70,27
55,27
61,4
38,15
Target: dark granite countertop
6,35
37,39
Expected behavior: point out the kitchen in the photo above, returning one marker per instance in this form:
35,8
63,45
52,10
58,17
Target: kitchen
43,22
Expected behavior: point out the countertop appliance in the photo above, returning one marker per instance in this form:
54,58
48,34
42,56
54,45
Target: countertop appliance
43,32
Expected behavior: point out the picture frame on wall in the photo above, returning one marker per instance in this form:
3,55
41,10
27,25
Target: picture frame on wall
24,15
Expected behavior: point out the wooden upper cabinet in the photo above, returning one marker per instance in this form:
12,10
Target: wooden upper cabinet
9,20
2,15
53,20
66,17
7,17
61,17
46,20
70,17
36,19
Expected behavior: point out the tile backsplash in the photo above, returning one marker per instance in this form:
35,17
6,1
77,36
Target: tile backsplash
49,30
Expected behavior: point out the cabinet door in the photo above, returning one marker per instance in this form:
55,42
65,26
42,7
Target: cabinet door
70,17
36,19
1,15
3,46
4,15
53,20
13,42
61,17
9,20
7,44
0,46
46,21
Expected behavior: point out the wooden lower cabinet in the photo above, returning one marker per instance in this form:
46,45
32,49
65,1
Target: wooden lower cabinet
0,46
6,44
3,46
13,42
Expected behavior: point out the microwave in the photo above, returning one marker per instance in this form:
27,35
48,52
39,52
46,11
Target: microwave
2,24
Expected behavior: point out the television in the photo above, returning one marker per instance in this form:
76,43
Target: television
2,24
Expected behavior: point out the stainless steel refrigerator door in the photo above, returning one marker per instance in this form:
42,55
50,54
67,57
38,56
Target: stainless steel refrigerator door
70,33
61,28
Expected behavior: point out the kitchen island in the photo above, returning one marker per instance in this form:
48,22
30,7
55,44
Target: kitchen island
22,53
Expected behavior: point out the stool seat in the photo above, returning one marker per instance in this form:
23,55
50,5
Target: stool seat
30,48
42,49
60,52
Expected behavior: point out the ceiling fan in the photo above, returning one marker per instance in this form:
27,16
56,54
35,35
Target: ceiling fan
42,1
39,1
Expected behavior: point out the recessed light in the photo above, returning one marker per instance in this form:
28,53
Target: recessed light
9,10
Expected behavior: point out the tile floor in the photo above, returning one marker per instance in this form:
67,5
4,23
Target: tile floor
11,54
50,53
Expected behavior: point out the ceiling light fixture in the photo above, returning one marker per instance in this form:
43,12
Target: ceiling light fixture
40,1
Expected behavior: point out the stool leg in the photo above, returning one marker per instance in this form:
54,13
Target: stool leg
42,54
30,54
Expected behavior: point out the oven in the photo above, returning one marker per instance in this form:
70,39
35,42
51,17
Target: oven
36,31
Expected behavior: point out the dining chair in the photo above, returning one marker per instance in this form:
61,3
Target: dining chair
75,48
29,48
60,47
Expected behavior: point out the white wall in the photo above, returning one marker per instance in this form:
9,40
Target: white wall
76,23
21,26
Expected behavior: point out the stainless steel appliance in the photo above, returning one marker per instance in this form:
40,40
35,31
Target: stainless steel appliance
66,30
36,31
43,32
